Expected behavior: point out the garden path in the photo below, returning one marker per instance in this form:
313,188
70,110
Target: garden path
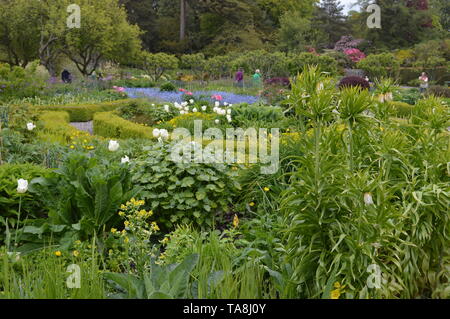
84,126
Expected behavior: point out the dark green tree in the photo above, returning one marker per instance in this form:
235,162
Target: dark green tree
330,19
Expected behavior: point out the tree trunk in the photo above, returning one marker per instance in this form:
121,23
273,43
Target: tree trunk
182,19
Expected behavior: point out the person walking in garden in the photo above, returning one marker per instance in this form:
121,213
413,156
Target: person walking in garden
239,78
66,77
423,82
257,79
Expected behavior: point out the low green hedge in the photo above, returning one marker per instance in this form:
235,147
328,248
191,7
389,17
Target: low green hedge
110,125
85,112
401,109
56,127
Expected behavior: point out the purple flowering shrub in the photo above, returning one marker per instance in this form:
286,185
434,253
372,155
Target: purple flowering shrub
354,81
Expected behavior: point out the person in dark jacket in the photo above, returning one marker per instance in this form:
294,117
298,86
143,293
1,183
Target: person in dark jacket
239,78
66,76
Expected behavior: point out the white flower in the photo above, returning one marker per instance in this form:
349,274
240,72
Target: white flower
204,108
229,118
125,159
22,186
368,199
217,121
223,112
182,112
156,133
230,105
164,134
177,105
191,101
225,103
228,111
320,86
113,146
184,103
166,108
217,104
30,126
153,104
194,110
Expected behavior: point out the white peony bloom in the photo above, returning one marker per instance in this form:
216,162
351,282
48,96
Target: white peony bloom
125,160
30,126
368,199
156,133
113,146
22,186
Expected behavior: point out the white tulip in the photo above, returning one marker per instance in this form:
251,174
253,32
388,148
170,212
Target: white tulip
153,104
191,101
229,118
22,186
156,133
182,112
217,121
166,108
30,126
113,146
125,160
225,103
164,134
204,108
217,104
228,111
177,105
368,199
184,103
194,110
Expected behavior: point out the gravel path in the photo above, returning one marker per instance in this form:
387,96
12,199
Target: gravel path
84,126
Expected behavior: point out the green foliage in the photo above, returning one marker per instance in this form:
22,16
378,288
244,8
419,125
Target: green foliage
380,65
18,82
85,193
108,124
86,112
183,192
168,87
270,64
31,206
160,282
158,64
401,109
298,62
56,127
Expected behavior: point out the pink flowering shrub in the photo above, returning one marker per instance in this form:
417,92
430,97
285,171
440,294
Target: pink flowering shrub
355,54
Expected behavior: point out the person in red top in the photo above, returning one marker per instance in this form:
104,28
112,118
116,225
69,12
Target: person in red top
423,82
239,78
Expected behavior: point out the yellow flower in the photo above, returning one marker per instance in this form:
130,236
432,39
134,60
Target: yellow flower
335,294
76,253
251,204
121,214
123,207
266,189
78,242
126,240
124,232
155,226
165,240
113,230
58,253
235,221
72,147
126,223
337,285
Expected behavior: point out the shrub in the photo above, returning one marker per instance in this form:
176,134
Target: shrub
17,82
134,83
159,63
168,87
380,65
401,109
355,55
281,81
297,63
56,127
109,124
187,121
353,81
85,112
440,91
180,192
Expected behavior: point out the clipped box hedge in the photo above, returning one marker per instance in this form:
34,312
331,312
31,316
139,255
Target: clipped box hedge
110,125
56,127
85,112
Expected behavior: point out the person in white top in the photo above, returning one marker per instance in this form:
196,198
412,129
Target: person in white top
423,82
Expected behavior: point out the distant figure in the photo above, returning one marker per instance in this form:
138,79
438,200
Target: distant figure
66,76
423,82
257,78
239,78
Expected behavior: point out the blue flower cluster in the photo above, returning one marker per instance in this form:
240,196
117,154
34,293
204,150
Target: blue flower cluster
173,97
